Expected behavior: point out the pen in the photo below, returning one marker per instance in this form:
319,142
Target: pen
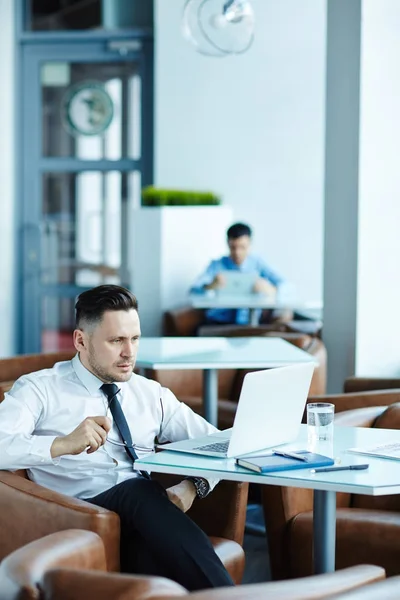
288,454
341,468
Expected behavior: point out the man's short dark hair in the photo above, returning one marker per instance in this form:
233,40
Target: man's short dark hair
237,230
91,305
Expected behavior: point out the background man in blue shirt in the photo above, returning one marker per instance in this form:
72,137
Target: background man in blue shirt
239,259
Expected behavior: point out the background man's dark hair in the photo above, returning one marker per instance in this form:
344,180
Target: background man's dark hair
237,230
91,305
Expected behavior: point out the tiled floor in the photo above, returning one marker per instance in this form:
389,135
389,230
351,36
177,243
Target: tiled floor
256,548
257,561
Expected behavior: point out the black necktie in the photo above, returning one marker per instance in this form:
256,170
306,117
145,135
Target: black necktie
111,390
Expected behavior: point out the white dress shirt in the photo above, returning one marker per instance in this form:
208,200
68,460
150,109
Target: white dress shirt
53,402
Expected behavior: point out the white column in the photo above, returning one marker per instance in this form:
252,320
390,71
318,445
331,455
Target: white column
7,196
378,305
362,190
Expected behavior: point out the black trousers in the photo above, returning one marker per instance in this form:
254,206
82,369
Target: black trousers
157,538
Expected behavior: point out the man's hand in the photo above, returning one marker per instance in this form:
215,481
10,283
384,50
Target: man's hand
262,286
217,283
182,494
90,434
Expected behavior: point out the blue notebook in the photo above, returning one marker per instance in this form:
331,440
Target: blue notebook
273,462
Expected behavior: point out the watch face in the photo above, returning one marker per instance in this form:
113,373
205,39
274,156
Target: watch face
202,486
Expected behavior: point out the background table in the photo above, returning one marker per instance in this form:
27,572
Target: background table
254,302
382,478
211,354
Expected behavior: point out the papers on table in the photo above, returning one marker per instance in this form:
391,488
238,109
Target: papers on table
388,450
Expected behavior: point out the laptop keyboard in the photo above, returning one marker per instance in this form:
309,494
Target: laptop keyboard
216,447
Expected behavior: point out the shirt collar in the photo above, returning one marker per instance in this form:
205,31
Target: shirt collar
246,264
88,380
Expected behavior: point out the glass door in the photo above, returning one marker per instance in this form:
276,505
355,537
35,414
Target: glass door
85,126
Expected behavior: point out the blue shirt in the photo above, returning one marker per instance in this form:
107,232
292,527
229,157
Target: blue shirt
251,264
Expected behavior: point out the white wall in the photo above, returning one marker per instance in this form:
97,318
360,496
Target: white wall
7,202
167,255
378,307
251,128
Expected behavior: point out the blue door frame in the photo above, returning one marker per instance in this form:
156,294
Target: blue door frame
33,49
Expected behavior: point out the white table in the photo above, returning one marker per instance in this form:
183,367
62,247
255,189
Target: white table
382,478
211,354
253,302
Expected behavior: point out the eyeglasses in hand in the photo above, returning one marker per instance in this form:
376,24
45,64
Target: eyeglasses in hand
133,446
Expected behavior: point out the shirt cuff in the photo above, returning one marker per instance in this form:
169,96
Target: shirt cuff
212,483
41,446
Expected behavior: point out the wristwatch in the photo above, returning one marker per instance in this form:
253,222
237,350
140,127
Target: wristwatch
202,486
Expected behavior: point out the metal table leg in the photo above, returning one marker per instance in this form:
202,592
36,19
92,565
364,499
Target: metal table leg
254,317
324,531
210,395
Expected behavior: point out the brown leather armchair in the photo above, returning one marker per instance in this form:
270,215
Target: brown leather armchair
29,511
365,384
182,321
308,588
188,321
367,528
355,400
70,565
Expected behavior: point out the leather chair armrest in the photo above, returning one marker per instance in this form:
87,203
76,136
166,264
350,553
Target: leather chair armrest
354,400
383,590
182,382
5,386
229,330
12,368
307,588
22,570
182,321
65,584
232,556
15,366
308,326
68,584
365,384
29,511
359,417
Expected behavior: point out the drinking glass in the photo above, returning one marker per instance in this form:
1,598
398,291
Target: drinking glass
320,417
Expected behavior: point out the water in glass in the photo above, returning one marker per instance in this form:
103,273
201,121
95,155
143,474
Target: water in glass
320,422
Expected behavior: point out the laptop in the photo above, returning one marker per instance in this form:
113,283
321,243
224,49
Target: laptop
269,413
237,283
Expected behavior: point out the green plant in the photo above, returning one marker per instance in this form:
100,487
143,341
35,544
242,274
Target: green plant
152,196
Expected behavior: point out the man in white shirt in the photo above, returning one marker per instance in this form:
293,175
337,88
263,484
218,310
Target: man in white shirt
65,425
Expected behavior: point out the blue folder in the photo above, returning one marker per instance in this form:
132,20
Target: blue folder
273,462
